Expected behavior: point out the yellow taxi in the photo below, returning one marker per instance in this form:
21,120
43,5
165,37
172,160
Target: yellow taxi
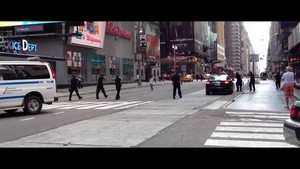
186,78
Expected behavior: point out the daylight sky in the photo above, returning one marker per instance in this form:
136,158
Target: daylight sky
258,33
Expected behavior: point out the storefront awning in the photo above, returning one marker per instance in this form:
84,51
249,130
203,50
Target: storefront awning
43,57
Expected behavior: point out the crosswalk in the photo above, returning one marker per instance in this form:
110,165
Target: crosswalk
84,105
250,129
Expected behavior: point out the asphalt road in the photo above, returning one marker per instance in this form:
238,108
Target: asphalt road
145,118
18,125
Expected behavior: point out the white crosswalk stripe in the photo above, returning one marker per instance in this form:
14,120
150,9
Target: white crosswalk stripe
94,105
251,129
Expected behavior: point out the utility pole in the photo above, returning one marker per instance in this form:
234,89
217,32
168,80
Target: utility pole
142,44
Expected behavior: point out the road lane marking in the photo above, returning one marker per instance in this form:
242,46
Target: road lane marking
266,136
123,107
245,143
93,106
262,116
117,105
257,113
257,124
251,129
59,113
30,118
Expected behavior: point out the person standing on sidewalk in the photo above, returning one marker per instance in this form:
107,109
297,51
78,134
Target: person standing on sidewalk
277,80
118,86
252,82
176,85
100,87
151,82
239,82
74,87
288,81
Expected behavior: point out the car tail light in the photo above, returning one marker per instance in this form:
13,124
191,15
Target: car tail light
53,74
295,113
226,82
208,82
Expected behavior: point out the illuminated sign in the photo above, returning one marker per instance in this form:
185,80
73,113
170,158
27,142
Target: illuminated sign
92,35
115,30
31,28
18,45
19,23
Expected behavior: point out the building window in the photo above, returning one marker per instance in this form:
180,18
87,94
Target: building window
98,64
127,69
74,62
114,65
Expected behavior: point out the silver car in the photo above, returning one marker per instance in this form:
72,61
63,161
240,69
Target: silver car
291,127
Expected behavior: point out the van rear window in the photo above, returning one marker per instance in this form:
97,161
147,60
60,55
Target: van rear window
23,72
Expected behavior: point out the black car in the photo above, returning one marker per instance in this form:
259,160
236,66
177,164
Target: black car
219,84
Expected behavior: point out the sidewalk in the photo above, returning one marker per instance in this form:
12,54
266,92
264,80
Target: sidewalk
265,98
108,87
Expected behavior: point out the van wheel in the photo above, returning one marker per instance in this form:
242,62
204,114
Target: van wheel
11,111
33,105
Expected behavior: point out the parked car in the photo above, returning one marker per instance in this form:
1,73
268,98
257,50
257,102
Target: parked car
291,126
26,85
264,76
186,78
219,84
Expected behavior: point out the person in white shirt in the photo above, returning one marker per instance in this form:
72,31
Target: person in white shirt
151,82
288,85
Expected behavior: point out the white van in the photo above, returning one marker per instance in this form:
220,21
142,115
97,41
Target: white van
26,85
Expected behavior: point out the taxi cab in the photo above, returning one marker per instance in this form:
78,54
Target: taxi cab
186,78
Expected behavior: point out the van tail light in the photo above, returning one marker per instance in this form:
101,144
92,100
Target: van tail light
53,74
295,113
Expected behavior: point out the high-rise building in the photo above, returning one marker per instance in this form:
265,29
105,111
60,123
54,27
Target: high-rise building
233,45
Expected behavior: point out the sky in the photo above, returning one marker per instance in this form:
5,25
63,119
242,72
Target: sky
258,33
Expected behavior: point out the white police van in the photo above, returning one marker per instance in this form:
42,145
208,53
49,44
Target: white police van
26,85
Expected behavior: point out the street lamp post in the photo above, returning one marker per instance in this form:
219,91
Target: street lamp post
139,47
175,48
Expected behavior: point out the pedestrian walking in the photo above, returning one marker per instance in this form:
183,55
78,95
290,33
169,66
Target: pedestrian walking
239,82
252,81
74,87
277,80
197,77
288,81
100,87
176,85
118,84
151,82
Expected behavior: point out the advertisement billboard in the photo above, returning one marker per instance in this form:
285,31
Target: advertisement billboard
181,34
92,35
152,39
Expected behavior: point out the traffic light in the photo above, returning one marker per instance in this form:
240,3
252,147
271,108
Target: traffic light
142,43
